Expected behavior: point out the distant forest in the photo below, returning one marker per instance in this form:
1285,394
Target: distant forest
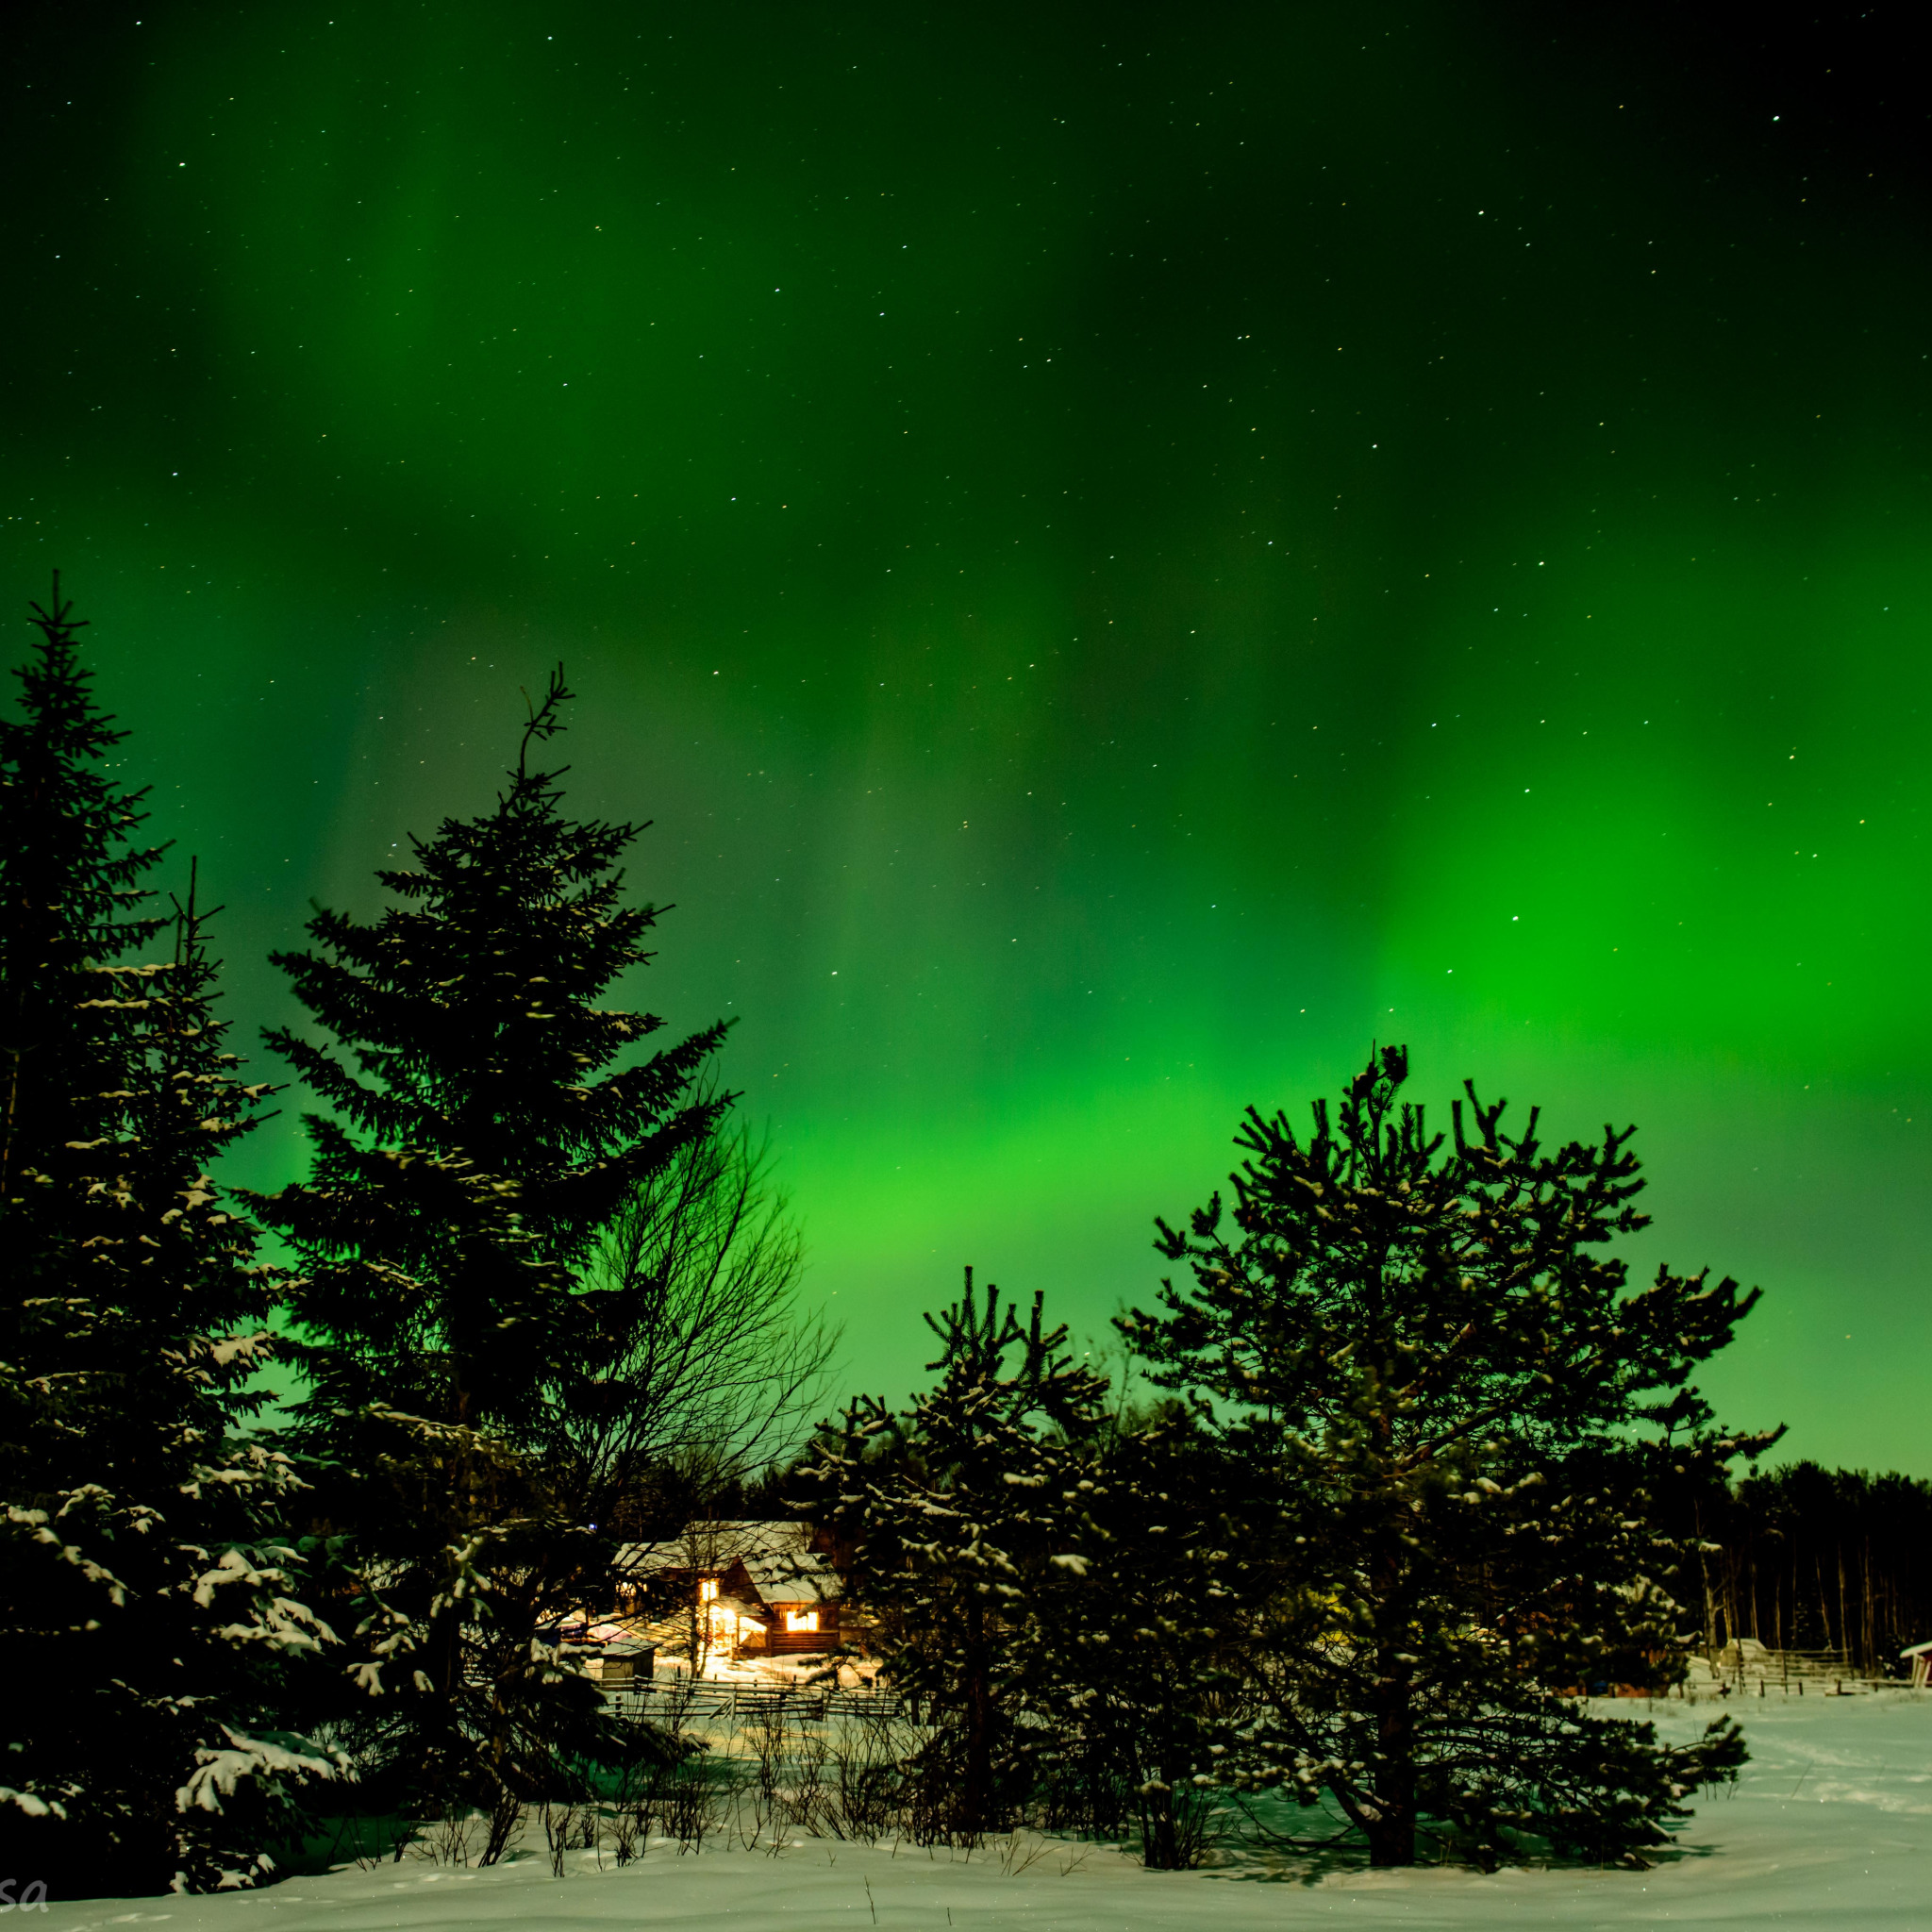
1811,1558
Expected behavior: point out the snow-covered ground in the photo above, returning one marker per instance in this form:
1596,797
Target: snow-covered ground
1830,1826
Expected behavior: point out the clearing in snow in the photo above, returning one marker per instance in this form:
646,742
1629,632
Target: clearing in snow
1830,1824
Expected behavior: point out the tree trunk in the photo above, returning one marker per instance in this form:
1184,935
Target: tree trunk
1391,1832
1844,1628
1704,1577
1157,1848
1869,1621
975,1787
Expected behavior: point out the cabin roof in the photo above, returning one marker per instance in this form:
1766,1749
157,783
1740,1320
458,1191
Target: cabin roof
779,1559
809,1578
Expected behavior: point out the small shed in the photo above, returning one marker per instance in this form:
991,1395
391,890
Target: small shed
623,1663
1919,1658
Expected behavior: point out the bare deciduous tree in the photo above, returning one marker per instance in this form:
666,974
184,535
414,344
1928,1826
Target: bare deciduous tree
705,1366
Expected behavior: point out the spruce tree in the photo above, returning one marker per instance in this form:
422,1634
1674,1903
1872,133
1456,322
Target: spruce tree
1452,1414
144,1614
956,1511
70,884
480,1133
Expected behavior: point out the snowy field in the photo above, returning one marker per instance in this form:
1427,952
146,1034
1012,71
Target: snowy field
1830,1826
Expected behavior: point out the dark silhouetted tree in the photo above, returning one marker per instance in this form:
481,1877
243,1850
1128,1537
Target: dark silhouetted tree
1449,1412
954,1510
145,1614
705,1371
1138,1640
485,1124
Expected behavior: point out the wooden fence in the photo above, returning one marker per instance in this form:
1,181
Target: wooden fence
677,1696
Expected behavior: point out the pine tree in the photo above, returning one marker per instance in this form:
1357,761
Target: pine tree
479,1136
1138,1639
954,1510
1451,1411
144,1620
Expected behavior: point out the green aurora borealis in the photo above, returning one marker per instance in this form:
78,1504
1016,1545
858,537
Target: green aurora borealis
1126,553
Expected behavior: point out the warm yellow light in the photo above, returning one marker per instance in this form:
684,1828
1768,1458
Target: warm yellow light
707,1588
801,1620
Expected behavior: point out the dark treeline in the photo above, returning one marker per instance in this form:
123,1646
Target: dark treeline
1817,1560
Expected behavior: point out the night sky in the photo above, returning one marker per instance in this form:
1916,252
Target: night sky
1125,552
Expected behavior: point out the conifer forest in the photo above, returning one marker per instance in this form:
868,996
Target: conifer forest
1391,1503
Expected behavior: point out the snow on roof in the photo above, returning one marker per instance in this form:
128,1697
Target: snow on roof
644,1558
795,1579
764,1548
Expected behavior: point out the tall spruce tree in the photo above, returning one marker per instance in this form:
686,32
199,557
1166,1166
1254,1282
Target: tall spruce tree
480,1134
71,873
954,1510
1451,1411
143,1605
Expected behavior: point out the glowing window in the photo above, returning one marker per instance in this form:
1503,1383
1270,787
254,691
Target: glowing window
708,1590
801,1620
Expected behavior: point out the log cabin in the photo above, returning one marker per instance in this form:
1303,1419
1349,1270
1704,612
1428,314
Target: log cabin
760,1589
